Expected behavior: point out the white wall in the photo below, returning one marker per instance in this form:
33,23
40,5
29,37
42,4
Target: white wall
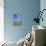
1,21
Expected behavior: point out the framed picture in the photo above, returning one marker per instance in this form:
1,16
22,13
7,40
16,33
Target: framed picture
17,20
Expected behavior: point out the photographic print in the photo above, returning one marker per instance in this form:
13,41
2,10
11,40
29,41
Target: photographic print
17,20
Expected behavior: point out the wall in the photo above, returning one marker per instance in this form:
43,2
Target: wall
27,9
1,21
43,6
